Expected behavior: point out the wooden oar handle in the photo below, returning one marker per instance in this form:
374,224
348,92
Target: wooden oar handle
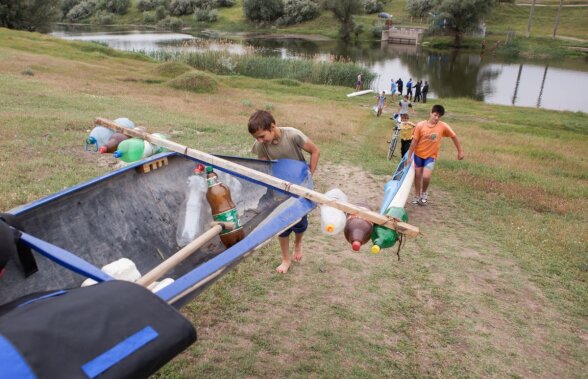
317,197
181,255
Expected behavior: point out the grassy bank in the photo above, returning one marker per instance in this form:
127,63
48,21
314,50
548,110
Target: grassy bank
495,287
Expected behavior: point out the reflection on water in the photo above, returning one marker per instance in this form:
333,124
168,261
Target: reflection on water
450,74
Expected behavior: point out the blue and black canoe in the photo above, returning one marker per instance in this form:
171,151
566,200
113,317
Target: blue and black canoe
50,327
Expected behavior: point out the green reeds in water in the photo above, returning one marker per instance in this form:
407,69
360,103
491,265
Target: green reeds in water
333,72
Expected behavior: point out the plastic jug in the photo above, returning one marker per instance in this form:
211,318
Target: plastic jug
97,138
112,144
134,149
333,219
358,230
124,122
383,237
223,209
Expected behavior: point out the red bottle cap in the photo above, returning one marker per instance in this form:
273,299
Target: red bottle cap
102,149
199,168
356,245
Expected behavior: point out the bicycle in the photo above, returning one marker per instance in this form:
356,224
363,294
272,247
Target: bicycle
395,134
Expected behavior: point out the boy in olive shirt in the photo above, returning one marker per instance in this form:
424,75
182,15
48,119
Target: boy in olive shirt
273,142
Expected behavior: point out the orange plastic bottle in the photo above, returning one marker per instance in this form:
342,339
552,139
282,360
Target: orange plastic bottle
223,208
112,143
357,230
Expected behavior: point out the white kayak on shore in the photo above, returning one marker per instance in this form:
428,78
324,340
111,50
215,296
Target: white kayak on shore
359,93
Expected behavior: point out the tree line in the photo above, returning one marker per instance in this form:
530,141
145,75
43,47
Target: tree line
451,16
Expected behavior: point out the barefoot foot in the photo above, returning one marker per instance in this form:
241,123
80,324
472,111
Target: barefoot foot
297,252
283,268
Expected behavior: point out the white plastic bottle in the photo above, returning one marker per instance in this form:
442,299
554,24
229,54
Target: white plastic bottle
333,219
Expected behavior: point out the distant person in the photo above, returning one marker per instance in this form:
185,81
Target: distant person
409,89
417,91
406,129
400,84
404,105
393,89
273,142
424,91
381,103
426,140
358,82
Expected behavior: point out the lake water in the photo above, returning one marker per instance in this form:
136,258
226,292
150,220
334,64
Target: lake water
557,85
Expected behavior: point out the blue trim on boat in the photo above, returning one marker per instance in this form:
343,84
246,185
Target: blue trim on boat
49,295
119,352
90,182
12,363
285,169
287,216
65,258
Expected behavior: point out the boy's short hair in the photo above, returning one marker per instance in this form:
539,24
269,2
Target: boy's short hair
260,120
437,108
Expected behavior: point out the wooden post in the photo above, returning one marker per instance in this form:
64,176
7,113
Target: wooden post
317,197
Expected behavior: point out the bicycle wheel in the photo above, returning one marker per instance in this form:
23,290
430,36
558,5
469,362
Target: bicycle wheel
392,147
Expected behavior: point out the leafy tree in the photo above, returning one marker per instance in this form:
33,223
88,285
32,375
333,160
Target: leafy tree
31,15
82,10
263,10
344,10
421,8
373,6
463,15
115,6
297,11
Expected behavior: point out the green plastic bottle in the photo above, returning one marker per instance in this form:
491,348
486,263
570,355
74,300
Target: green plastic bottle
383,237
134,149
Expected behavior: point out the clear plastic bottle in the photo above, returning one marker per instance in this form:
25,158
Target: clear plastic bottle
358,230
333,219
383,237
223,209
195,211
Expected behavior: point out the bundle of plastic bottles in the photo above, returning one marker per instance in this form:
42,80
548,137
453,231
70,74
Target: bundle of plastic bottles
100,136
357,230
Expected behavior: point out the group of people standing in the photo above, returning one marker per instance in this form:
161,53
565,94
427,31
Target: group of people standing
420,89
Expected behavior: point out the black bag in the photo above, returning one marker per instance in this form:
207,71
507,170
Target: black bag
114,329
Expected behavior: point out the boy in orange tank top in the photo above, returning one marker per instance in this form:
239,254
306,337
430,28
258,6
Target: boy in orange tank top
425,145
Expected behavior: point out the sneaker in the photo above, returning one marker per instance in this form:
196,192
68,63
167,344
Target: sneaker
416,200
424,198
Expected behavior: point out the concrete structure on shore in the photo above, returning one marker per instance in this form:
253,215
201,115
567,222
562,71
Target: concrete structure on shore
412,36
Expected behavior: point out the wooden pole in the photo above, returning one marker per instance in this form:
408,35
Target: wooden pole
530,18
181,255
557,19
317,197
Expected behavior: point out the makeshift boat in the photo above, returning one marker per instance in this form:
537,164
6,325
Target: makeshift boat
133,213
50,327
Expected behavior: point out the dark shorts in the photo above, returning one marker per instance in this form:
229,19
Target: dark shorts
300,227
428,163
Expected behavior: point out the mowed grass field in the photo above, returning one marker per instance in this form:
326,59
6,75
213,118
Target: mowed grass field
495,287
